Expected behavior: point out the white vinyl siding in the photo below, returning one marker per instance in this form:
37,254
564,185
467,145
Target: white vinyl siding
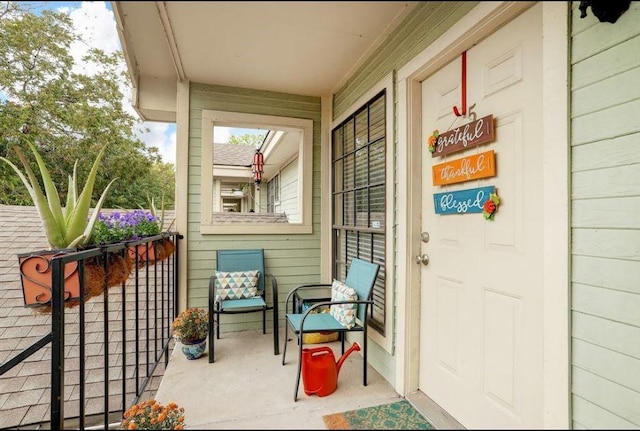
289,192
605,138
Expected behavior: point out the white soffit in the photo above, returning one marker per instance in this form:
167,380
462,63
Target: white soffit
306,48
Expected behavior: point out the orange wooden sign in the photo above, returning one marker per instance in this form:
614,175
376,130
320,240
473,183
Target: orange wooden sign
481,165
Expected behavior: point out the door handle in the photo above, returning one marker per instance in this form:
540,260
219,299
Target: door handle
422,259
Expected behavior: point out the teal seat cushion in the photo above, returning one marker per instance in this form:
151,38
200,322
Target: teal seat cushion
315,322
236,304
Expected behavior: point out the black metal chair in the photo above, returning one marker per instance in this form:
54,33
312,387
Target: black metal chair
233,261
361,277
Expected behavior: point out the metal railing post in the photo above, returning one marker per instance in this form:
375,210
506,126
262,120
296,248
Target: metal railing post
57,344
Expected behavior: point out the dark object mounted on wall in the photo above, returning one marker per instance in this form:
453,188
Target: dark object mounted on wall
605,10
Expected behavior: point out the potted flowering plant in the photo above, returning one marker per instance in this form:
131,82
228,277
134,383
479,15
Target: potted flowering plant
132,226
127,226
149,415
191,328
117,227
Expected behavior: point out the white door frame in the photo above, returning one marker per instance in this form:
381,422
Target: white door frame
473,27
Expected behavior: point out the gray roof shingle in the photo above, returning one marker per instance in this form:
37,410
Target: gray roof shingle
233,155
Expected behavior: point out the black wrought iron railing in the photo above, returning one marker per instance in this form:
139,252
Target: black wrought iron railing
100,351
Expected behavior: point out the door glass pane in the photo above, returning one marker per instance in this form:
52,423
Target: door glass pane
377,207
361,129
338,175
362,208
362,178
352,245
349,172
337,143
349,205
348,137
364,249
377,162
377,119
341,246
338,211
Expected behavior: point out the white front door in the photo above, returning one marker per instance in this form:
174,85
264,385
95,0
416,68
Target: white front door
481,321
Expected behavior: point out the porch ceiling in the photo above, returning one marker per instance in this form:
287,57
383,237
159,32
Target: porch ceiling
306,48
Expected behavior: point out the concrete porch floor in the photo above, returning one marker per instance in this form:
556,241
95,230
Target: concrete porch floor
249,388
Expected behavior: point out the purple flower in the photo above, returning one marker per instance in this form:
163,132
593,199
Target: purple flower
126,226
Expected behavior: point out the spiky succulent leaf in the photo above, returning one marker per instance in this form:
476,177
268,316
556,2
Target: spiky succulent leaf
68,227
50,189
154,210
72,193
78,218
94,216
52,230
162,213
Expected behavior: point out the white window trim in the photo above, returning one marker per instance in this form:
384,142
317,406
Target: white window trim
305,172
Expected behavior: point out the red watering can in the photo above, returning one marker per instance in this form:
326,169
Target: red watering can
320,369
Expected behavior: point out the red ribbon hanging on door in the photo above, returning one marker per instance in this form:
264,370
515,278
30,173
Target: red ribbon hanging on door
464,88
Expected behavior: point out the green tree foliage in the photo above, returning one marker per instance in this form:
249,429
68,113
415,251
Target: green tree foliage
70,114
248,139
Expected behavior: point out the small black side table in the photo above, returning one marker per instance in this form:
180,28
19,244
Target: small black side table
310,296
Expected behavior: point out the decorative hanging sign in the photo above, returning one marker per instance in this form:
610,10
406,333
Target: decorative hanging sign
462,201
481,165
466,136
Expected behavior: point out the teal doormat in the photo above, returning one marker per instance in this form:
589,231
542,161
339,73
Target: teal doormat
399,415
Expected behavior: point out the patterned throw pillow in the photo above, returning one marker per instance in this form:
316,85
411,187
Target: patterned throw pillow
236,285
343,313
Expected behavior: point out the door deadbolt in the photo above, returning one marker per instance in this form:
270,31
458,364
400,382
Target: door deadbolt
424,237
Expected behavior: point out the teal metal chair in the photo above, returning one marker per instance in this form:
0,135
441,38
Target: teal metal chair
243,260
361,277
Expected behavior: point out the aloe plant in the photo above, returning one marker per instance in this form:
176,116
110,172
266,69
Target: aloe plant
69,226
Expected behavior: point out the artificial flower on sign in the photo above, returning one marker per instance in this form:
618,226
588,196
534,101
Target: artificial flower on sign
490,206
432,140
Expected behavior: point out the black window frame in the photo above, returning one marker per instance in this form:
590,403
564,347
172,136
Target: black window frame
348,230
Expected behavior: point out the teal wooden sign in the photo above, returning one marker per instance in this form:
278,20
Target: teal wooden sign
462,201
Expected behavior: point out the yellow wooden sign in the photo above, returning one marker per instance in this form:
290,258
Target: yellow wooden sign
469,168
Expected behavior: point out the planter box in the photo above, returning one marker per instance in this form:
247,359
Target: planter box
35,276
